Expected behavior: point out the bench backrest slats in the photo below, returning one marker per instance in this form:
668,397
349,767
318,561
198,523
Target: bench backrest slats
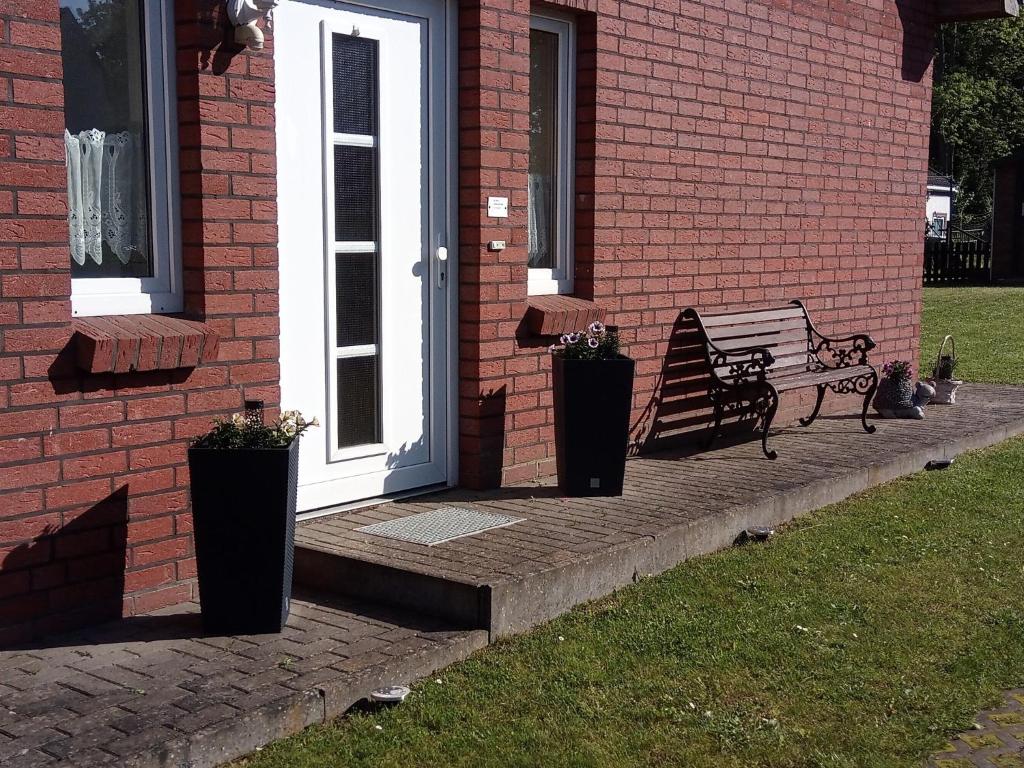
783,331
796,336
752,318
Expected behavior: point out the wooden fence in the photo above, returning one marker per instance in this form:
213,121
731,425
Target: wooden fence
953,262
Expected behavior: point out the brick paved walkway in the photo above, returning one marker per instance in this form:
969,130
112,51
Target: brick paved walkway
674,506
152,691
997,743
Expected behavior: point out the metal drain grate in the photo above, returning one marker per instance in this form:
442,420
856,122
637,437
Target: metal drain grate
439,525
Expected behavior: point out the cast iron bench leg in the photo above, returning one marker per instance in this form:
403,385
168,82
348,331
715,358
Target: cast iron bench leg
817,407
769,416
718,423
869,428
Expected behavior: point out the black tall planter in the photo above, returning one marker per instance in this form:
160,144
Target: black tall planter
243,512
593,399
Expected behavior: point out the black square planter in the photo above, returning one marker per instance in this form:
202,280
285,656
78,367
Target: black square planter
243,512
593,400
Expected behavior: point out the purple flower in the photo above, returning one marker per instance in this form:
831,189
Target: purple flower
597,328
564,339
898,369
593,343
574,338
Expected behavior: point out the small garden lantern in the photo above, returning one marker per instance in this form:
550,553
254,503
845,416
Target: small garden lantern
942,375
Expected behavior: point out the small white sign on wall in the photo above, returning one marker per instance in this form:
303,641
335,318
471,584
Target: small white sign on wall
497,207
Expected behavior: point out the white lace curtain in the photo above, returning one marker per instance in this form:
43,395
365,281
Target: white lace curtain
107,197
539,220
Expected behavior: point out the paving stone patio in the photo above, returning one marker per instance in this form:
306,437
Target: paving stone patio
674,506
997,742
153,691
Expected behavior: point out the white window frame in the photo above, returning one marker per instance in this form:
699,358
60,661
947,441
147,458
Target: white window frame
560,280
161,293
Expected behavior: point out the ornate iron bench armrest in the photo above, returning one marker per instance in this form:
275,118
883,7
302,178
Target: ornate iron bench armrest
837,351
844,351
744,365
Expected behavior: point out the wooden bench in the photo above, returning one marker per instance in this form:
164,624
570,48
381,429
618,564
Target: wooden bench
755,355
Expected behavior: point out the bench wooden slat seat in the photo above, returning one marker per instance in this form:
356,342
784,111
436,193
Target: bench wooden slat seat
755,355
787,382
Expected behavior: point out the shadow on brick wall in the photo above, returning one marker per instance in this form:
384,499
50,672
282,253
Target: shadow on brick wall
482,453
217,37
917,19
678,415
69,575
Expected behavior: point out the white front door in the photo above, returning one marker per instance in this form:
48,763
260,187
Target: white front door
362,126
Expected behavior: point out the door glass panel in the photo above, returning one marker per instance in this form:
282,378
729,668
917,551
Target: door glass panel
354,69
358,401
357,292
355,193
355,85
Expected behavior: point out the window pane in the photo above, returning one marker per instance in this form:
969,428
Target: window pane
355,194
356,296
358,401
105,138
355,85
543,198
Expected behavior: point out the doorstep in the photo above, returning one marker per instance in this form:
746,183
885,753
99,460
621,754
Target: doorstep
569,551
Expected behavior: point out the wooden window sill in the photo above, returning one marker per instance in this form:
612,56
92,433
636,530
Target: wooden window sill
125,343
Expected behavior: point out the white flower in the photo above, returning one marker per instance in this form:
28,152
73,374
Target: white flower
596,327
593,343
564,339
574,337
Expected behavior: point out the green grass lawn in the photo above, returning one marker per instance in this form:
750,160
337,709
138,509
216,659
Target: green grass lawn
988,325
863,635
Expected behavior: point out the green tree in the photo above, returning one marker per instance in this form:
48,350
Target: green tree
978,109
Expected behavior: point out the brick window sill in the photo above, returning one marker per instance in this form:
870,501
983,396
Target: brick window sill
125,343
555,315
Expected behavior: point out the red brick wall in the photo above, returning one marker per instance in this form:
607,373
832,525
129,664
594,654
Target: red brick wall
745,152
738,153
93,480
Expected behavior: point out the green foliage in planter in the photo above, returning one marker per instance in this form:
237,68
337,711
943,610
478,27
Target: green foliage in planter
248,431
595,343
898,370
945,367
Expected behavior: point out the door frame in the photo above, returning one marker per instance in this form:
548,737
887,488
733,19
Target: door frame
447,220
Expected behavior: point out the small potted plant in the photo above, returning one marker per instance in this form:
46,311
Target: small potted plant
896,389
942,375
243,482
593,397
